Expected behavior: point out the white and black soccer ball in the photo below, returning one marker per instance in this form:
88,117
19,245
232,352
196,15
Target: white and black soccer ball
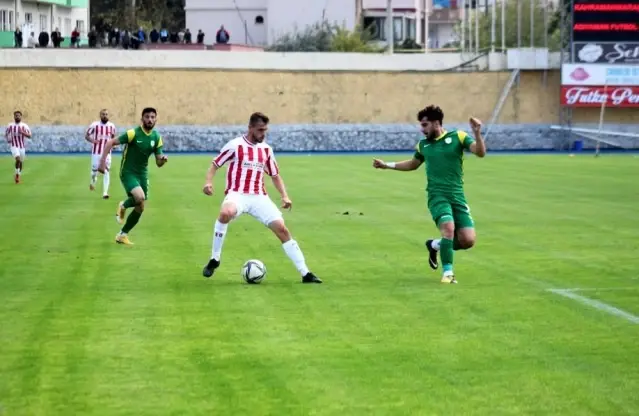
253,271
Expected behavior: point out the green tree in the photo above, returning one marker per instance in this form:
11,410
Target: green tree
512,7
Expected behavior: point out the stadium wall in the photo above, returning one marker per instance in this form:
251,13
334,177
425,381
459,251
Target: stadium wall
311,138
327,102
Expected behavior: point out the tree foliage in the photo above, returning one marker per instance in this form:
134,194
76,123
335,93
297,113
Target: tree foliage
325,37
106,14
537,17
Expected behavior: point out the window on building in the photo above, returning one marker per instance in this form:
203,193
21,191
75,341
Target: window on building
28,18
4,21
411,29
43,23
376,26
80,25
398,29
259,20
67,27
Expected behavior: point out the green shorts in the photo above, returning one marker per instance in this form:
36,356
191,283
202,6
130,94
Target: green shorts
445,208
131,181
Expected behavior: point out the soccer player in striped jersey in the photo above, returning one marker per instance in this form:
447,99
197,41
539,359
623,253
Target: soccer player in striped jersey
16,134
443,153
250,158
98,133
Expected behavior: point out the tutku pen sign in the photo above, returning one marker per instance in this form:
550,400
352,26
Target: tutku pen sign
606,52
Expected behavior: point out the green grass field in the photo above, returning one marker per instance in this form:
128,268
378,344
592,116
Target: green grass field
89,327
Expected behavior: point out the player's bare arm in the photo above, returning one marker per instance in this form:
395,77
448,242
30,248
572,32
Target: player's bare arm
208,183
26,132
161,159
479,146
105,153
88,137
278,182
404,165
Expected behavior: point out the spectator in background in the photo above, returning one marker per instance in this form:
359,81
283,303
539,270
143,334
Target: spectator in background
200,36
17,38
31,42
56,38
75,38
188,36
154,36
141,36
222,36
173,37
126,39
164,35
43,39
93,38
181,36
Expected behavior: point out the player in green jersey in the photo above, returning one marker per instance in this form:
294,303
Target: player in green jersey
443,153
139,144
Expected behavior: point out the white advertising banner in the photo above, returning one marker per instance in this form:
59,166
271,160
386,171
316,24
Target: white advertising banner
600,74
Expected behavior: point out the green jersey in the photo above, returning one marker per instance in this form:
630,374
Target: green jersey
444,159
138,147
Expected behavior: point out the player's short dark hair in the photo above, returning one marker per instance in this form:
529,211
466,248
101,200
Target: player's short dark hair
257,117
149,110
17,112
431,113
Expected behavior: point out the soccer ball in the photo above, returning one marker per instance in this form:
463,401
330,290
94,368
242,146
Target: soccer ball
253,271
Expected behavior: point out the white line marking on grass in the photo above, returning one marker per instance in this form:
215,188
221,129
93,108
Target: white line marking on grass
604,307
602,289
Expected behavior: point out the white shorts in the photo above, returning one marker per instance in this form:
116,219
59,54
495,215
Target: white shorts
95,162
17,152
260,207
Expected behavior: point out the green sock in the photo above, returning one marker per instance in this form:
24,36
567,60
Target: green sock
129,202
131,221
446,254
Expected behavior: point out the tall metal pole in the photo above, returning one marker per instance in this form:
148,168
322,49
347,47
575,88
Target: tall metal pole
390,35
426,25
519,5
503,26
476,12
469,25
532,23
493,18
462,6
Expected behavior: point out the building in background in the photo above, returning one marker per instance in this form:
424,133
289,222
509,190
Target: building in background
42,16
409,20
260,22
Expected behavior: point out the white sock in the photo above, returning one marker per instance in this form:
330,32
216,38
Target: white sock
219,232
106,180
17,171
294,253
94,177
435,244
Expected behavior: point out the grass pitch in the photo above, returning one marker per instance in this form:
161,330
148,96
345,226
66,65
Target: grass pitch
90,327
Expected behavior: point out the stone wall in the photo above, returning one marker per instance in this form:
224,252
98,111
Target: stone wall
320,137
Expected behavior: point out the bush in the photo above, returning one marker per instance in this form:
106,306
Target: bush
325,37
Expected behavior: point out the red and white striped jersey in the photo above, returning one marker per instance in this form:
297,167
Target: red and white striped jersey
248,163
100,132
15,134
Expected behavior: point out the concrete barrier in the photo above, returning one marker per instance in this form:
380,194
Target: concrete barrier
318,138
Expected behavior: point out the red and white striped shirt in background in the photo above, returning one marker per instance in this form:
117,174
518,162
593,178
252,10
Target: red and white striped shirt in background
15,134
100,132
249,162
